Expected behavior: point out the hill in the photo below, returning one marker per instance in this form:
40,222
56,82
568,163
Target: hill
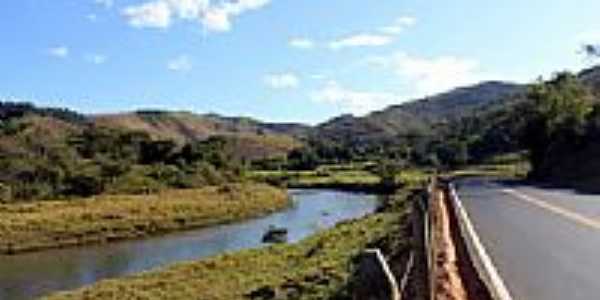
420,117
186,126
253,139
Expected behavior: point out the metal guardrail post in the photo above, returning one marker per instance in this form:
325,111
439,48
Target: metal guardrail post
404,281
429,213
377,282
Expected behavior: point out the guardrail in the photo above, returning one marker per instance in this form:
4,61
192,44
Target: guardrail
479,256
429,238
375,279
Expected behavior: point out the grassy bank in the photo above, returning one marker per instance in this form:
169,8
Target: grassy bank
319,267
51,224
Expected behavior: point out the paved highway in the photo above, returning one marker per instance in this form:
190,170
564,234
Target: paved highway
545,243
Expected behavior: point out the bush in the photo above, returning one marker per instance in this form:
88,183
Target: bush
206,174
135,184
167,174
5,193
32,190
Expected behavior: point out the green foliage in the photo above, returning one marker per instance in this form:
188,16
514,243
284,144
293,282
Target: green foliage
557,118
5,193
85,181
303,159
387,171
135,183
94,160
13,110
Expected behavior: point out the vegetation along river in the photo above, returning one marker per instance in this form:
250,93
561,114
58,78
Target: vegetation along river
30,275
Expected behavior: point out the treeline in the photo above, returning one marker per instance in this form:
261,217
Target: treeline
443,147
14,110
96,160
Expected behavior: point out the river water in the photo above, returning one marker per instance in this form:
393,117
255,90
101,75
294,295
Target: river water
31,275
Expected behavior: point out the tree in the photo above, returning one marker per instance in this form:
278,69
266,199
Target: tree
387,170
156,151
556,120
303,159
591,50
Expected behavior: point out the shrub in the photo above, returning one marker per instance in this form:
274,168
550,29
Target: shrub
5,193
135,184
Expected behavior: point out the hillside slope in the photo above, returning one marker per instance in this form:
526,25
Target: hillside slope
421,116
186,126
253,139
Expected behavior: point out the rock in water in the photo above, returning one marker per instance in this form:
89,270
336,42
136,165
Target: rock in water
275,235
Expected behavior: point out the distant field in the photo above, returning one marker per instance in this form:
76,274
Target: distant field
50,224
337,176
316,268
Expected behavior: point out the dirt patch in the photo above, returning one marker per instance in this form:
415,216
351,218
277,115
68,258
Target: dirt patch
448,282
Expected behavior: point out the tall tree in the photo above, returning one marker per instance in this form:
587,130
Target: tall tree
558,112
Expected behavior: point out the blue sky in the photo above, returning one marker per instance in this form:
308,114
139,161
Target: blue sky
278,60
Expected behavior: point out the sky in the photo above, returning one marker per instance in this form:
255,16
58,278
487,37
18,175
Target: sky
279,60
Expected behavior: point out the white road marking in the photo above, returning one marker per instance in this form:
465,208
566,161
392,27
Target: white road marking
484,264
563,212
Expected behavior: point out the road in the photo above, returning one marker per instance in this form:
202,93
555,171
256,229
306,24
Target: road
544,242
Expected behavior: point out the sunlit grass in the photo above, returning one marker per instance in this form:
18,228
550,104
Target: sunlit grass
39,225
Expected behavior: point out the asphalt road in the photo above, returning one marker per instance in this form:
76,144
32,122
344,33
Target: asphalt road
544,242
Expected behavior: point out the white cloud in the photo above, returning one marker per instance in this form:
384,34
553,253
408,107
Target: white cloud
96,59
216,19
282,81
188,9
318,76
399,25
361,40
182,63
92,18
589,37
353,101
302,43
149,15
105,3
59,52
213,16
374,38
428,76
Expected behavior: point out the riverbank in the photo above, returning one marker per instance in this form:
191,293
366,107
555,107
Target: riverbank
55,224
319,267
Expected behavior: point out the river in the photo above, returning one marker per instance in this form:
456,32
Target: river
30,275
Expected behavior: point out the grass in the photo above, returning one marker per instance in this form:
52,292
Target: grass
338,176
52,224
512,165
316,268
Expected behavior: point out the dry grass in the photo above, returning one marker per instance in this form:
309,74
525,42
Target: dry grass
41,225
